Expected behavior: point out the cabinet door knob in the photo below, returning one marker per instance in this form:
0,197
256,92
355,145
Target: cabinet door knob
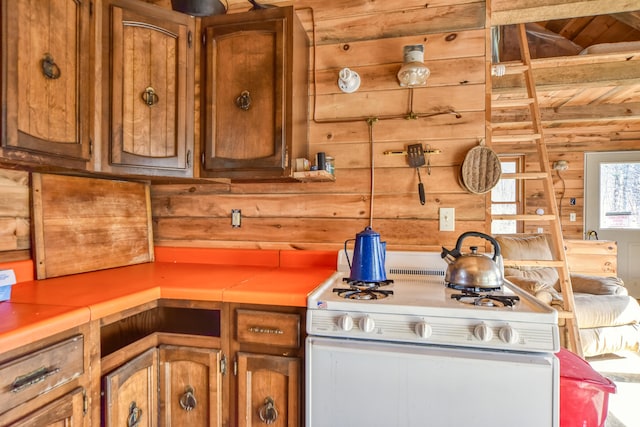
188,400
135,414
268,412
49,67
150,97
243,101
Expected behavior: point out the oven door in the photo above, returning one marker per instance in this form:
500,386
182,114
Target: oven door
368,383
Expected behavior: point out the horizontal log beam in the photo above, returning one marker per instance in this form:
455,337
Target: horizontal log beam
587,115
504,12
561,77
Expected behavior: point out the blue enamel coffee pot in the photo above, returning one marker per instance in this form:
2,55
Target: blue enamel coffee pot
368,257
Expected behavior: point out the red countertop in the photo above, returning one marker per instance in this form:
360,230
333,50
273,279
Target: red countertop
40,308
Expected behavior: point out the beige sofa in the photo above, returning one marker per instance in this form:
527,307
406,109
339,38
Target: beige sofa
608,318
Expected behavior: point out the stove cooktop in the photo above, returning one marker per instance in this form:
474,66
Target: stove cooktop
420,308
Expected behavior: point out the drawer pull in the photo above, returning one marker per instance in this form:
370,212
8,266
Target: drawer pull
188,400
260,330
24,381
268,412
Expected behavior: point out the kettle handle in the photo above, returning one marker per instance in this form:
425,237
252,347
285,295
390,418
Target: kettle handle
346,254
496,245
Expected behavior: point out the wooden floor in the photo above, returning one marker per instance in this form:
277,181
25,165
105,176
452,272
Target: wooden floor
624,370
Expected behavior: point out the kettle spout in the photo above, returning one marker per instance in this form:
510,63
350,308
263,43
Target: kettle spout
449,255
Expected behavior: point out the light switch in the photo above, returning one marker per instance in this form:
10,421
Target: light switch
236,218
447,219
572,216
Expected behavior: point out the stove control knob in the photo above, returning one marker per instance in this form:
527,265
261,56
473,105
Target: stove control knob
367,324
509,335
483,332
345,322
423,330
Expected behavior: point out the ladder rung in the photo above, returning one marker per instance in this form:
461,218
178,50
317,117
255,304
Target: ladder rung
533,263
524,217
525,175
515,138
511,103
515,68
564,314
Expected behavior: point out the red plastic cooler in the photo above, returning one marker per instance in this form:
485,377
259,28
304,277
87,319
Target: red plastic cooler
584,393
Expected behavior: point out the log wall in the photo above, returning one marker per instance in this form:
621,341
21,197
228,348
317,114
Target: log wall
367,37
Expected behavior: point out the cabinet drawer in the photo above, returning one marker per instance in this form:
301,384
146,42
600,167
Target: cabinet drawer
41,371
269,328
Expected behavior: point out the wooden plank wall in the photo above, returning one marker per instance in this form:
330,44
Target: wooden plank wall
367,37
14,215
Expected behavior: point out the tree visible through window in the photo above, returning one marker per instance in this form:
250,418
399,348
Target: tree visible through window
506,197
620,195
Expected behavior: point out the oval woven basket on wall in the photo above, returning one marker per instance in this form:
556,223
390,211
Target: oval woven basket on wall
480,170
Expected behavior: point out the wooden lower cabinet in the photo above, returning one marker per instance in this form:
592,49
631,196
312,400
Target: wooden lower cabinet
66,411
190,386
46,383
268,390
267,344
202,365
131,392
165,386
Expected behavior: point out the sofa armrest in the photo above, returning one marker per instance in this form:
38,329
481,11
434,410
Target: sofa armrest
597,285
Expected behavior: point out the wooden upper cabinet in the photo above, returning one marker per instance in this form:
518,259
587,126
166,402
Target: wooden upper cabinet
46,72
148,62
256,94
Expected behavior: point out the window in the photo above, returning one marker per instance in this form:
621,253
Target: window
506,197
620,195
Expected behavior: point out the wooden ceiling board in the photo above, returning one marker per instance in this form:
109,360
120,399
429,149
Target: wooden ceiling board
588,96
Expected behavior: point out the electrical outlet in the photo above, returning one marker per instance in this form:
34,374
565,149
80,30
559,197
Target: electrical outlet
572,216
447,219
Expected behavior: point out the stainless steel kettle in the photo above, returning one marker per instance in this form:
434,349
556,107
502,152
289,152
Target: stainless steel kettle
368,257
473,270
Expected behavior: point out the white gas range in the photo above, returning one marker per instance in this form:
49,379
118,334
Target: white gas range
428,354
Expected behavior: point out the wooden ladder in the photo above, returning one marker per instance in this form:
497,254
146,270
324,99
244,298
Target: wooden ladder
551,216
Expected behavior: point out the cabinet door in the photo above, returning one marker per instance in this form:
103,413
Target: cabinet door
47,45
268,390
253,121
190,387
66,411
150,57
131,392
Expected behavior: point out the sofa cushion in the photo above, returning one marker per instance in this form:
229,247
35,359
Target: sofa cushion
596,341
597,285
594,311
527,247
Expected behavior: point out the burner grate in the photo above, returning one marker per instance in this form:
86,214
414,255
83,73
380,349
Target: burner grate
476,289
361,285
486,300
363,294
